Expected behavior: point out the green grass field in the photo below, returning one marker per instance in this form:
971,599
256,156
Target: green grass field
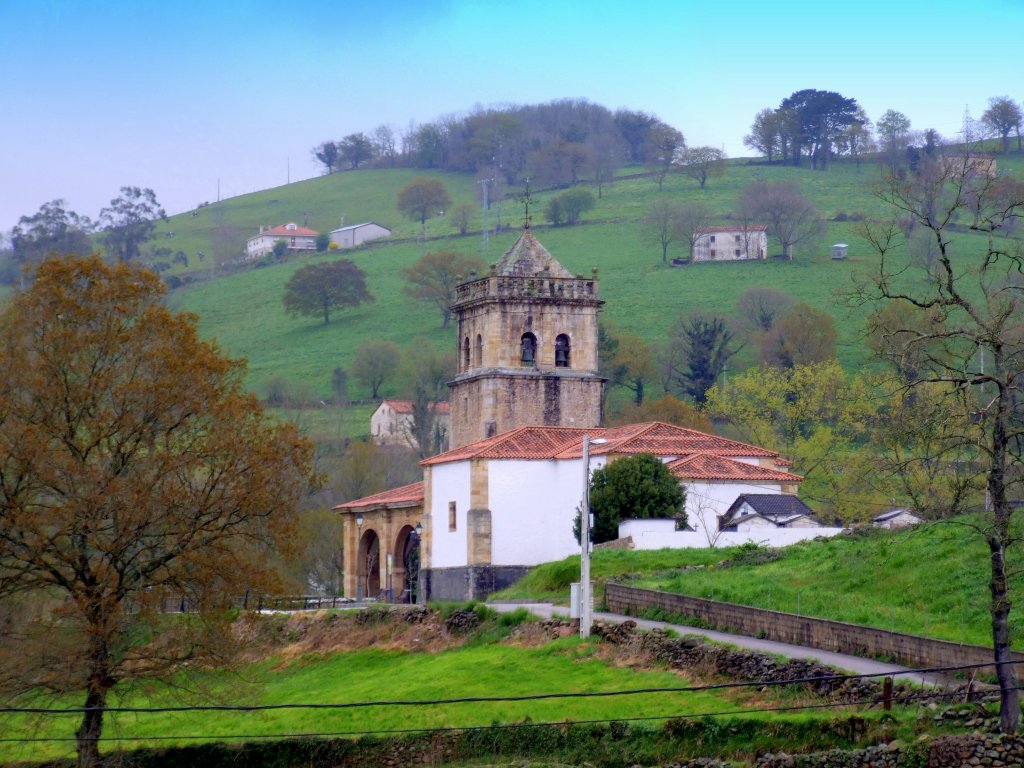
479,669
931,580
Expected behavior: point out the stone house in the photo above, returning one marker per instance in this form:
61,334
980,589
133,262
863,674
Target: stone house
730,243
391,423
893,519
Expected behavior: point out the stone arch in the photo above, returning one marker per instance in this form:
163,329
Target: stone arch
465,354
406,565
368,565
528,350
478,356
562,351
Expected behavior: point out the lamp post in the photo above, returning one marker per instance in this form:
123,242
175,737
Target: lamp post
585,597
359,555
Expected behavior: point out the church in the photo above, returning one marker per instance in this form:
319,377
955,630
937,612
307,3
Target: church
504,496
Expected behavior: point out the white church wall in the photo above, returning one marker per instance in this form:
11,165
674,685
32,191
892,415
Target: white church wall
449,482
533,504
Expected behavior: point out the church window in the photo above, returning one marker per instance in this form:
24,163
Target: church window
528,348
451,516
479,353
562,351
465,353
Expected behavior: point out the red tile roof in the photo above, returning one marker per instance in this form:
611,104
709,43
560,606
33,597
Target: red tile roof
405,406
283,231
704,466
403,496
539,443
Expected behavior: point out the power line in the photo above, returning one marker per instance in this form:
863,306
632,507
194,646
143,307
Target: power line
490,699
498,726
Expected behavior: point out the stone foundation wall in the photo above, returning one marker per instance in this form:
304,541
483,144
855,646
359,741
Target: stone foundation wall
473,582
912,650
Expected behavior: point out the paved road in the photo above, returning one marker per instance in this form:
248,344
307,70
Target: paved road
855,664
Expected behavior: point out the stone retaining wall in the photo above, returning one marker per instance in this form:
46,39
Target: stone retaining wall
945,752
912,650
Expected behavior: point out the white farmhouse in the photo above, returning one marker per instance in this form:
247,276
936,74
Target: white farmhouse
295,237
357,234
730,243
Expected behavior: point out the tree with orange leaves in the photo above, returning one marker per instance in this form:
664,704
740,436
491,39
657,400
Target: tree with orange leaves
135,474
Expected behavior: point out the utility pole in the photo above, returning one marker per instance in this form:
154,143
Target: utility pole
487,207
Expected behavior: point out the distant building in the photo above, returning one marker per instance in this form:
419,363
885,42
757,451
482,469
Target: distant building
391,423
751,511
357,234
730,243
840,251
295,237
895,518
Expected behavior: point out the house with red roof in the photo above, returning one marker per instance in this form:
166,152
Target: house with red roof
730,243
392,422
295,237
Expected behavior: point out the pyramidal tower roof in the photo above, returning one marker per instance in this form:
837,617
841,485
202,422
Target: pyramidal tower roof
528,258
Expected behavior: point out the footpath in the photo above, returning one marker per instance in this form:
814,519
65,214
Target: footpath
853,664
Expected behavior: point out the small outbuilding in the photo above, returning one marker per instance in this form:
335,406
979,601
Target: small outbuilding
357,234
839,251
767,510
895,518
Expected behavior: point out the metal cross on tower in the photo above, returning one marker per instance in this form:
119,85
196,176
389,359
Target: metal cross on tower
526,198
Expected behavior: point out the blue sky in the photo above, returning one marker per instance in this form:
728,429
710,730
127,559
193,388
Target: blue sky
178,96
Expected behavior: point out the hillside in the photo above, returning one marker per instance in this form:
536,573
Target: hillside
243,310
930,580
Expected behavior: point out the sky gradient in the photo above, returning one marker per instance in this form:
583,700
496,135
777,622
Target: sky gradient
183,97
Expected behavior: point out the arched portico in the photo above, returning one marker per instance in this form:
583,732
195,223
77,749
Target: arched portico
379,537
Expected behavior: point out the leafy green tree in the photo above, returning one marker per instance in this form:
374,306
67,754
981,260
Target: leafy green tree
1002,117
568,206
422,199
802,336
462,217
702,163
699,347
326,153
632,365
893,130
323,242
661,150
821,116
135,472
764,136
316,289
374,363
129,222
52,230
434,276
355,149
632,487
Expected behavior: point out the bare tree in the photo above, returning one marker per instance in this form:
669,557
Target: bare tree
791,218
700,163
661,150
669,222
979,300
759,307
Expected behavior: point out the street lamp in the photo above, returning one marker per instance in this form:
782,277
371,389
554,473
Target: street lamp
585,597
359,554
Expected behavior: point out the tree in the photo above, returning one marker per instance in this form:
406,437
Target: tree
667,222
569,206
384,144
633,365
667,408
434,276
764,134
326,153
698,349
759,307
1003,116
323,242
893,136
374,363
821,116
429,372
462,216
701,162
129,222
804,335
355,149
50,231
134,470
316,289
856,139
814,415
661,150
978,298
422,199
791,218
633,487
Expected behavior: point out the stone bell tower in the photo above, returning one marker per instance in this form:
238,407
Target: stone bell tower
527,347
